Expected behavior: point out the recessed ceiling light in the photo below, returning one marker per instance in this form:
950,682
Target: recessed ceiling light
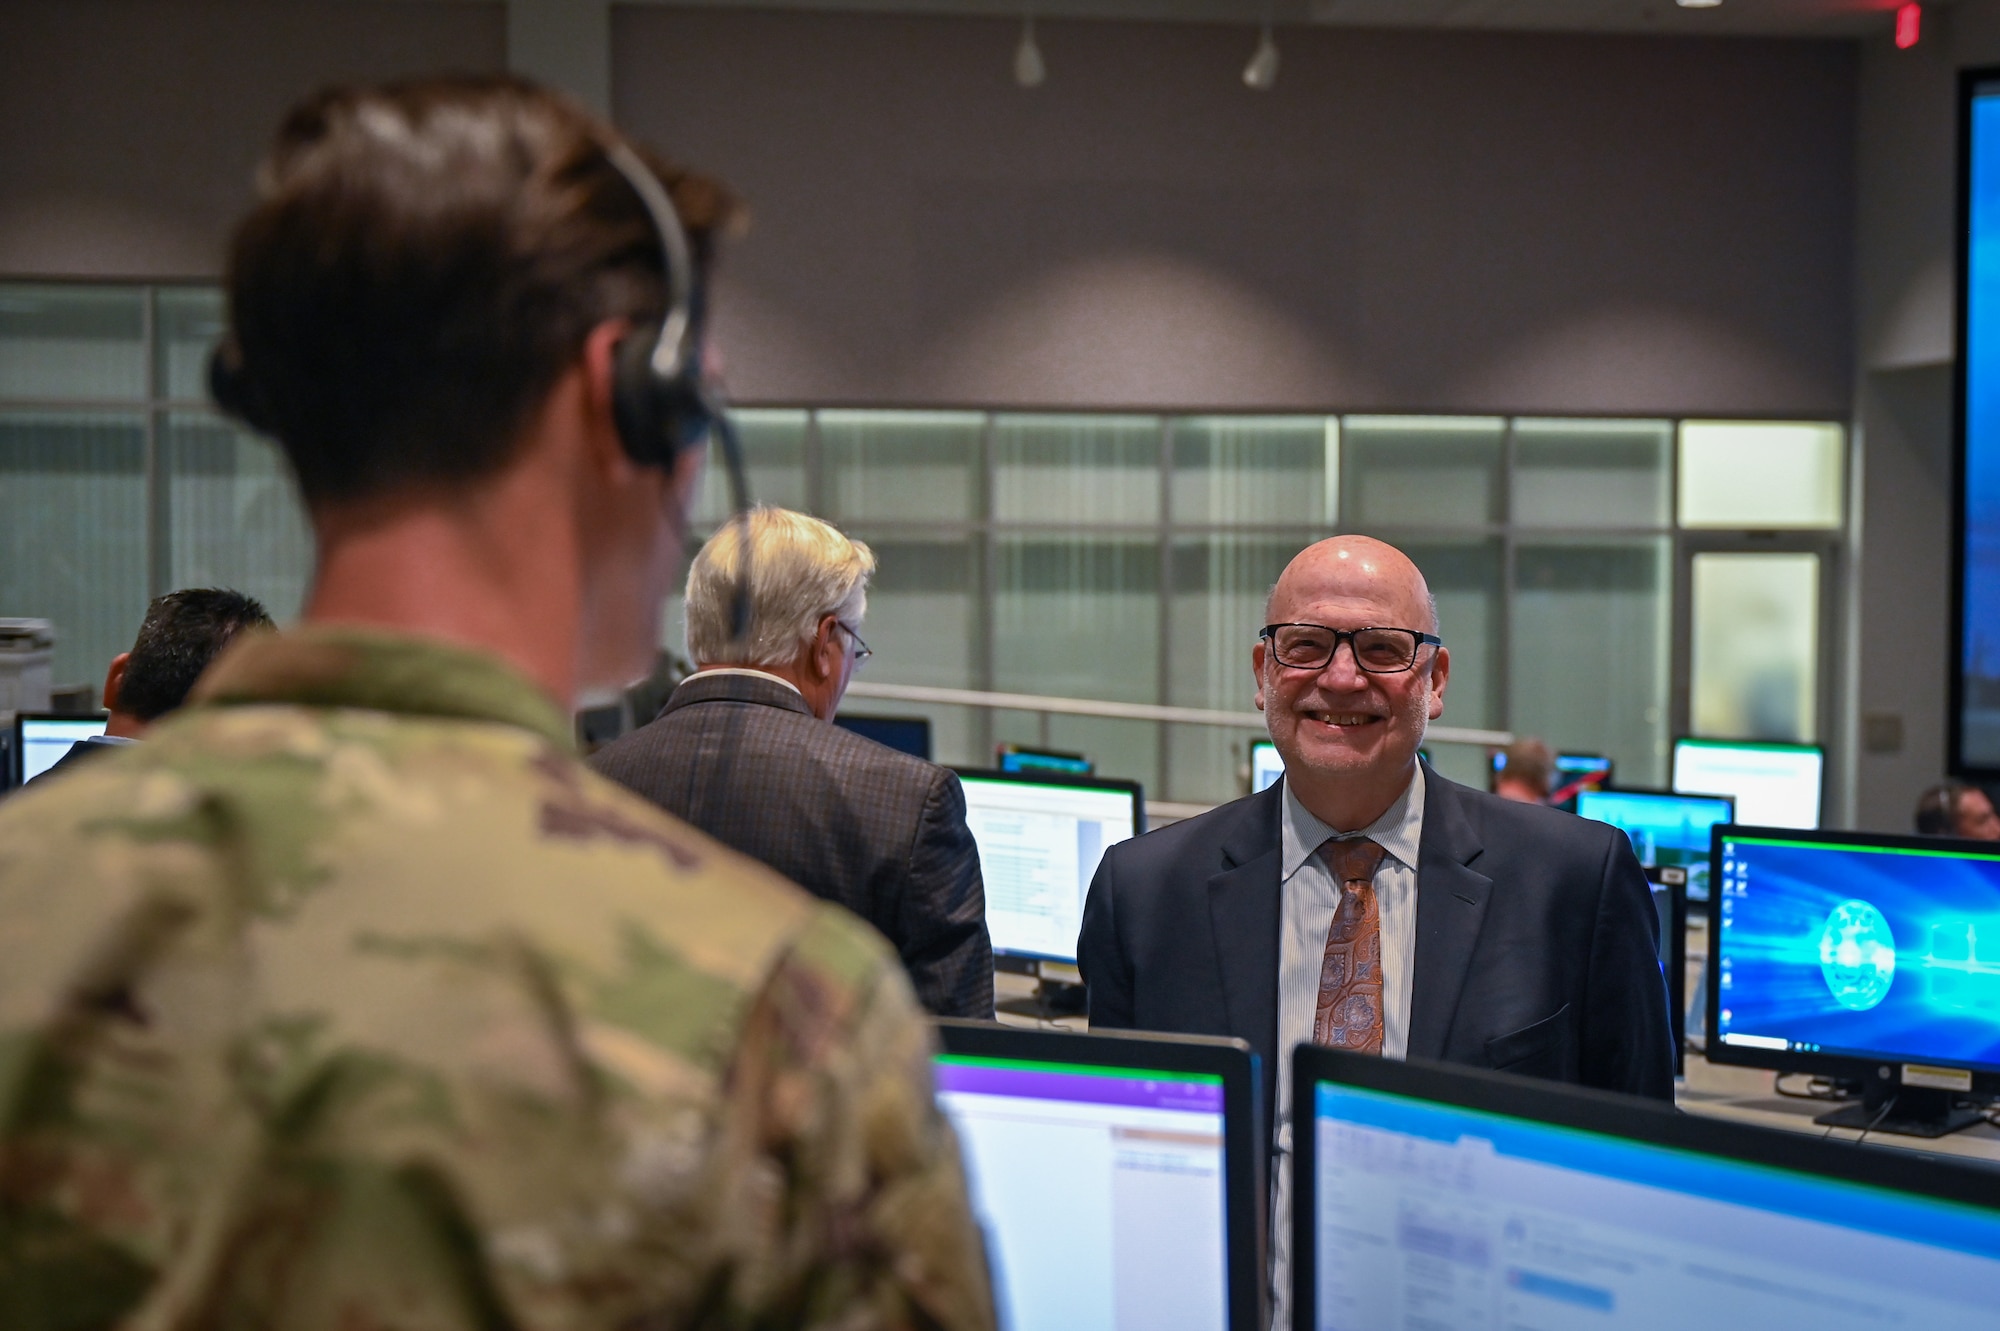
1697,4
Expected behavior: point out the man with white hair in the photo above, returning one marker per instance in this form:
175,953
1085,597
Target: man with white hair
745,751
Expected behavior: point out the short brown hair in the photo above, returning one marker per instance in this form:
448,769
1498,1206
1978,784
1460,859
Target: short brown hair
424,260
1531,763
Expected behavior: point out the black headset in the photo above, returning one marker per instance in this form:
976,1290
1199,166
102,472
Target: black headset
659,401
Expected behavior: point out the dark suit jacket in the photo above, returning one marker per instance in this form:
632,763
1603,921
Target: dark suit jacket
83,751
1536,950
878,831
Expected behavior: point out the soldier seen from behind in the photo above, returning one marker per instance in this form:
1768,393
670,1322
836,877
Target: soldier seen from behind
351,998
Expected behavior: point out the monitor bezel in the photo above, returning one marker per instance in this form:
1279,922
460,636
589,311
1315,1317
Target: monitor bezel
1674,750
924,721
1025,751
1244,1186
1850,1066
1018,958
18,760
1656,793
1969,81
1655,1123
1255,744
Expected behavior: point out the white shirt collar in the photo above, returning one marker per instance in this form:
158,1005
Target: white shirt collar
744,670
1398,831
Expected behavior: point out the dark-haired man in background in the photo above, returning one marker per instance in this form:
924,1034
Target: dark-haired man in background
352,997
182,633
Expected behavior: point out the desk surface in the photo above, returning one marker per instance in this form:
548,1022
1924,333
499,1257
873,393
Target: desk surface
1747,1095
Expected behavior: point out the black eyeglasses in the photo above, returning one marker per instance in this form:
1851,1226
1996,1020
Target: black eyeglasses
1377,651
862,651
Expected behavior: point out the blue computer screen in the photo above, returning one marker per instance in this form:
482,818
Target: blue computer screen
1665,830
1877,952
1429,1214
1040,760
1979,720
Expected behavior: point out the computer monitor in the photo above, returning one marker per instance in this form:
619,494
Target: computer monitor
1119,1179
42,738
1774,785
1040,840
1447,1197
905,734
1578,772
1574,772
1265,765
1870,958
1014,758
1667,831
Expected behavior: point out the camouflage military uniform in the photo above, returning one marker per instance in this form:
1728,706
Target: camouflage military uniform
351,1001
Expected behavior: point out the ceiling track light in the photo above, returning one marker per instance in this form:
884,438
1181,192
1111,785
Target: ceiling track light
1261,74
1029,71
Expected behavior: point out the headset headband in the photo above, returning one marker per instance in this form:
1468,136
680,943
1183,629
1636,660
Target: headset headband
669,356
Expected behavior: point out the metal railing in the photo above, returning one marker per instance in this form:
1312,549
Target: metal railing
1126,711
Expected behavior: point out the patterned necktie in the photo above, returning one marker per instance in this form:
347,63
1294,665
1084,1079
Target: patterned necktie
1349,1014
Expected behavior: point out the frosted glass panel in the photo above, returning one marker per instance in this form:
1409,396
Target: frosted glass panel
73,532
235,517
901,466
1422,471
1069,469
1079,617
1589,659
74,342
1256,471
1465,579
774,463
923,622
1219,587
1757,474
1584,473
189,320
1756,646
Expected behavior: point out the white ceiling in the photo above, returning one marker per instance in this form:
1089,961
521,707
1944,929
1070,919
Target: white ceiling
1797,18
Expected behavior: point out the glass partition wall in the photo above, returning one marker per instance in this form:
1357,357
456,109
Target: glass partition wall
1112,556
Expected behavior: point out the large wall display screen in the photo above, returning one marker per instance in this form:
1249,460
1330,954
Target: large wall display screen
1975,740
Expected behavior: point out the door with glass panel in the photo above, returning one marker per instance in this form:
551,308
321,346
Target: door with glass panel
1760,511
1755,636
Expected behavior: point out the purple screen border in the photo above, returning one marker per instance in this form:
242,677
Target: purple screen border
1105,1088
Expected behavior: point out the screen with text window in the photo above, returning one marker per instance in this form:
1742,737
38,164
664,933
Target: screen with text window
1100,1190
1429,1215
1774,785
44,740
1039,846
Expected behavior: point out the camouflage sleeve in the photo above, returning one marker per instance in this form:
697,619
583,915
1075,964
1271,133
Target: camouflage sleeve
848,1174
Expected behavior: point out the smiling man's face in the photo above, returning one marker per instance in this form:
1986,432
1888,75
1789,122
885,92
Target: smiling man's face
1349,738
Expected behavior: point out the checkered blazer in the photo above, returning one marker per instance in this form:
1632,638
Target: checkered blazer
880,832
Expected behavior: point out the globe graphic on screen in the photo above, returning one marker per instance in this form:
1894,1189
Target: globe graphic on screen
1857,955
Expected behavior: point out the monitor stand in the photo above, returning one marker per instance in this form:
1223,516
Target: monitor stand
1051,999
1917,1112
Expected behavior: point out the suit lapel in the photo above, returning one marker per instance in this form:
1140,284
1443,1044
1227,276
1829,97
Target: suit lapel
1243,917
1451,905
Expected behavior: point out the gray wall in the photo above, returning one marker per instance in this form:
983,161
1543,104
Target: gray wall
1469,221
129,128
